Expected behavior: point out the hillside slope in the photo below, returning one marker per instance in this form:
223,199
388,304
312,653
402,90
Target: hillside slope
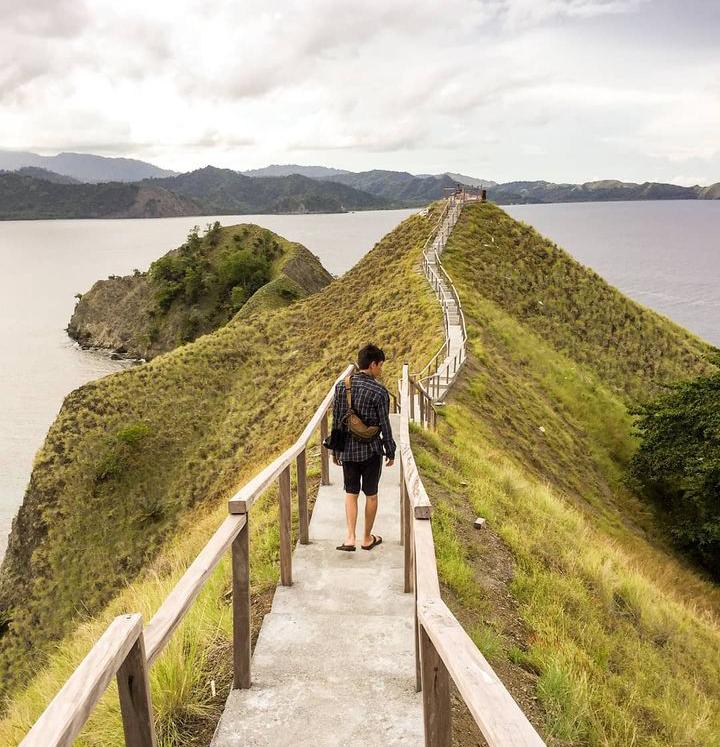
193,290
135,471
571,590
24,197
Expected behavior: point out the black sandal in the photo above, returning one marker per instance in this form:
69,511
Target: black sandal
346,548
376,541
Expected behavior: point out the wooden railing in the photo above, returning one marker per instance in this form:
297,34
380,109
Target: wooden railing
430,379
443,649
125,652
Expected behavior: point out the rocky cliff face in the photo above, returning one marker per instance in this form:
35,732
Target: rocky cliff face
132,317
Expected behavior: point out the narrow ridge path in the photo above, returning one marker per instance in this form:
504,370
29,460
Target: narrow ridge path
334,661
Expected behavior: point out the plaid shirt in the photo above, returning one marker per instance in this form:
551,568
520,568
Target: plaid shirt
371,402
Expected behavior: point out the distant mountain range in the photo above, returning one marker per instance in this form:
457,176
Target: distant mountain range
84,167
314,172
73,185
600,191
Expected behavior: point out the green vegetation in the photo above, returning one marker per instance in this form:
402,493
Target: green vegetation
678,463
187,429
571,589
194,290
602,633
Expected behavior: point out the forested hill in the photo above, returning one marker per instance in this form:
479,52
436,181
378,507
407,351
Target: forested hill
600,191
195,289
208,191
224,191
399,187
24,197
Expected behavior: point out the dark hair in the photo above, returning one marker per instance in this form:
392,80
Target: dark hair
369,354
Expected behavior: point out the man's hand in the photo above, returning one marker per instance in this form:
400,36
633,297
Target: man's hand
335,459
389,462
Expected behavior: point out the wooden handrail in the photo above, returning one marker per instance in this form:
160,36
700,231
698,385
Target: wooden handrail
121,649
429,373
68,711
443,648
241,502
178,601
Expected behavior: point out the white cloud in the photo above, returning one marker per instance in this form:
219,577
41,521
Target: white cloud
551,88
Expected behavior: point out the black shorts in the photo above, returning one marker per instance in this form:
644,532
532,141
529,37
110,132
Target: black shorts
363,475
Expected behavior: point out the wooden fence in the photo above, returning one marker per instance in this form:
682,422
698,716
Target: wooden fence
126,652
431,378
443,649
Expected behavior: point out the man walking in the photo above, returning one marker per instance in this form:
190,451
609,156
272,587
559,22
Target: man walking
362,459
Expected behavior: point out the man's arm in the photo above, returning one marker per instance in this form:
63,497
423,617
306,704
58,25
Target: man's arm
384,420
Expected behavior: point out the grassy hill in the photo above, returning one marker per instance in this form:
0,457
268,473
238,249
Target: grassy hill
602,633
194,289
134,475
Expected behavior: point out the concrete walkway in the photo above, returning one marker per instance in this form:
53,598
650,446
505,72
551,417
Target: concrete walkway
334,662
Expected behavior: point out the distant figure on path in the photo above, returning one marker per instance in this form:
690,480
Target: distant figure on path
362,458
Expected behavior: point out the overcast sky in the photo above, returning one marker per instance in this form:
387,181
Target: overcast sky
564,90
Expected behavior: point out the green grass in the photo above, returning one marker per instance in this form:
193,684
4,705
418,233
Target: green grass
214,412
621,635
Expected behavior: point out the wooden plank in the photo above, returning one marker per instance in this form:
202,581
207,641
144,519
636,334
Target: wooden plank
285,528
241,502
68,711
241,608
501,721
435,695
324,454
134,695
419,499
303,520
428,586
407,546
178,601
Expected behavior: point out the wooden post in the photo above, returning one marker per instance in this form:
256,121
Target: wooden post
324,455
303,522
407,542
418,669
435,695
455,364
402,503
285,528
134,694
241,607
411,387
421,403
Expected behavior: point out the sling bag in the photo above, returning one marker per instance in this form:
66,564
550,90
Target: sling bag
353,421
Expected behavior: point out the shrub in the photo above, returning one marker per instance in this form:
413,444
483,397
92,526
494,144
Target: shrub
678,463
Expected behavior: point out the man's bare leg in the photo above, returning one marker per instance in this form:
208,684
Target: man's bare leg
371,504
351,511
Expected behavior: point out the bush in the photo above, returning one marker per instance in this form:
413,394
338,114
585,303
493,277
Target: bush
678,463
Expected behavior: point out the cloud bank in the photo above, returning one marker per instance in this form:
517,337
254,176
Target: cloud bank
568,90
